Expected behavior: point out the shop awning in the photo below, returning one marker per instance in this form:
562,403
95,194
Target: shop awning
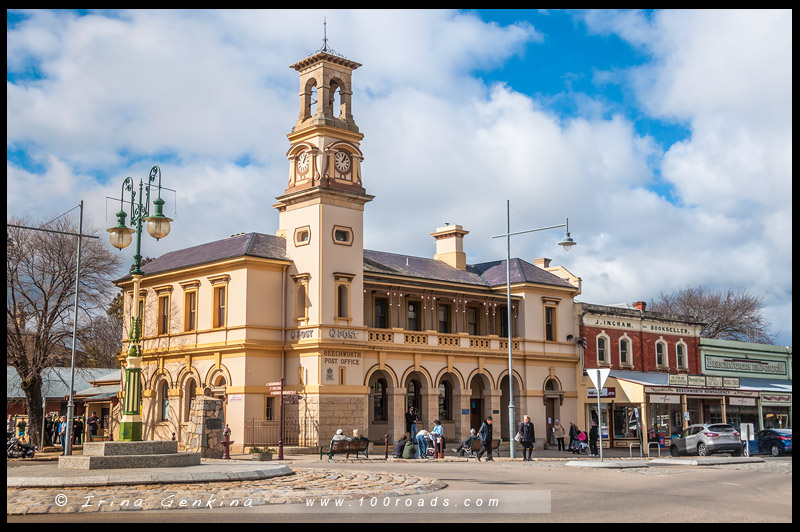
765,385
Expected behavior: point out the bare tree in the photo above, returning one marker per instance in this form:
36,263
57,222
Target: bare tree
728,314
40,298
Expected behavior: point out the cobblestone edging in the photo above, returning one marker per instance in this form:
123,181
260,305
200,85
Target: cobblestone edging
291,489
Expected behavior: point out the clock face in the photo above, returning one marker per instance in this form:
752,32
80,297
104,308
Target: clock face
303,162
342,162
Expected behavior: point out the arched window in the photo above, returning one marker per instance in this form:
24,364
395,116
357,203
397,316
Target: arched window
414,394
680,356
624,352
445,400
379,401
602,350
189,392
163,397
661,355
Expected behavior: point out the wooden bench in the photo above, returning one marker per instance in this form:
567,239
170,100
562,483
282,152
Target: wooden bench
476,446
346,447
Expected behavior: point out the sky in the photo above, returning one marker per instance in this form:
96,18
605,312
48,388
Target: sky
663,136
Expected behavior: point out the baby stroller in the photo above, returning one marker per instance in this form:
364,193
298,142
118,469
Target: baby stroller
579,445
431,441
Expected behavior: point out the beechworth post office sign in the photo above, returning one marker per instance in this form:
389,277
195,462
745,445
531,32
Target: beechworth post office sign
745,365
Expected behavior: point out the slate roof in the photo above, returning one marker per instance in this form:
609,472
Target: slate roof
245,244
55,381
487,274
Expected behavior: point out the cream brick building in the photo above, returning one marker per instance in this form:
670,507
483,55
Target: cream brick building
359,334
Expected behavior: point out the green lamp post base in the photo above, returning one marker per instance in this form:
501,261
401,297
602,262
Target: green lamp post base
130,431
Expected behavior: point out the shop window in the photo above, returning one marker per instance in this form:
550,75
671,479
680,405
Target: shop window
626,422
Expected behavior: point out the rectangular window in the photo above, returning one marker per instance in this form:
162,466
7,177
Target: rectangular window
550,324
219,306
381,313
601,351
163,315
141,317
190,311
472,321
269,414
343,301
503,321
444,319
413,316
680,359
660,355
623,352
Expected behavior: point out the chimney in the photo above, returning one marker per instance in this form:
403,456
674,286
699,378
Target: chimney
450,246
542,263
640,305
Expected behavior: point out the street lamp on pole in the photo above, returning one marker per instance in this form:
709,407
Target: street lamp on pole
121,235
566,242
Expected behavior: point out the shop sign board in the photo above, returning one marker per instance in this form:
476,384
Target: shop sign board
608,392
714,382
776,399
741,401
699,391
745,365
678,380
665,399
696,380
730,382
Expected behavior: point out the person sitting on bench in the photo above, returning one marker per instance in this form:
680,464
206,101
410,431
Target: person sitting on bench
467,444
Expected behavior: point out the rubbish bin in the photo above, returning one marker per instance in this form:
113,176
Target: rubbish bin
661,441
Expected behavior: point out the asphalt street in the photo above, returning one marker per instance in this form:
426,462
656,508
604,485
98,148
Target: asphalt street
505,491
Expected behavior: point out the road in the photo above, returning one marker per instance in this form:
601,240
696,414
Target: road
546,491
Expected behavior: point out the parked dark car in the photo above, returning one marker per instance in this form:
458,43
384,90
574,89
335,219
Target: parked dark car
707,439
774,441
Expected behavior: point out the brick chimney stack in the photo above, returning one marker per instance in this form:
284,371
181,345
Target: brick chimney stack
640,305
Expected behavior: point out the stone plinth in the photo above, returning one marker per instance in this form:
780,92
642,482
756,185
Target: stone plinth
129,454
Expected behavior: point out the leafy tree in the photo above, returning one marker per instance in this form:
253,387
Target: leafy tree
40,300
727,314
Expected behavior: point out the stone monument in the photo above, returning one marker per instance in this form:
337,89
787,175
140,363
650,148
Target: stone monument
206,423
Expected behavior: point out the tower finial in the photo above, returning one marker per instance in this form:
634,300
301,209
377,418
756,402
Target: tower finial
324,34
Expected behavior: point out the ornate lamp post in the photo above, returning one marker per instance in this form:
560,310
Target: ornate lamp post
566,242
121,235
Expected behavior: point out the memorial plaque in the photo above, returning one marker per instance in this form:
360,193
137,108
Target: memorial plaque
214,423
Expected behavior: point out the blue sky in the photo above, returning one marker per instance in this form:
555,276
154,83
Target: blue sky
664,136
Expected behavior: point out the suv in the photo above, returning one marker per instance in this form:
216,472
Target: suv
706,439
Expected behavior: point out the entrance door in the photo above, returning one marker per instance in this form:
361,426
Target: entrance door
550,412
475,413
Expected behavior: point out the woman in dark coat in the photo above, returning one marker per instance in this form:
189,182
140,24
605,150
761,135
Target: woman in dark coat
573,434
527,438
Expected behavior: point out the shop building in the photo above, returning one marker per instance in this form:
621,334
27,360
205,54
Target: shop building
357,335
644,352
763,370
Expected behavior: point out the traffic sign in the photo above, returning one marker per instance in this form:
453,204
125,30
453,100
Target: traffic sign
598,377
273,383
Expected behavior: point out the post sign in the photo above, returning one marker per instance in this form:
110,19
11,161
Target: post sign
678,380
697,380
598,376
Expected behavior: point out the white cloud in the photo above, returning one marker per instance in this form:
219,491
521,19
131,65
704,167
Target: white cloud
206,88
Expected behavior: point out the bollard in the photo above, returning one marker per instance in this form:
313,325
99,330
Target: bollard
386,446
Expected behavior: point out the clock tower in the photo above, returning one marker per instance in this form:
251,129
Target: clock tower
321,210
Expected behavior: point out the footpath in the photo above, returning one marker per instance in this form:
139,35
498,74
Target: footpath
39,486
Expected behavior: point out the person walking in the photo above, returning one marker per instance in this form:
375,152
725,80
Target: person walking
437,436
62,433
527,438
573,434
48,429
10,427
485,435
560,433
593,434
